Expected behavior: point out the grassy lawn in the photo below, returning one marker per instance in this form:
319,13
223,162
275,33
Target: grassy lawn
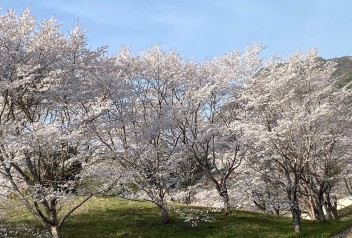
111,217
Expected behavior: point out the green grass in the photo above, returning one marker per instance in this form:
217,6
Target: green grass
111,217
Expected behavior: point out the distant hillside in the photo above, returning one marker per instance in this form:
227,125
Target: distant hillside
343,70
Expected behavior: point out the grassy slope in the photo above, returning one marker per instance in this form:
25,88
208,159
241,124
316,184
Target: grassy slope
111,217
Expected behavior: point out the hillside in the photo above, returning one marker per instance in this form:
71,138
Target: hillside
343,70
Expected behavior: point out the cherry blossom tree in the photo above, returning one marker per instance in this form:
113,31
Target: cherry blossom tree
262,185
296,121
138,128
45,78
210,113
70,116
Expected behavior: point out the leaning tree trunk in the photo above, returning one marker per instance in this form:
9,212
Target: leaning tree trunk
312,210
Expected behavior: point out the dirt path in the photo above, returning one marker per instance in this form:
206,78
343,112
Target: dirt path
345,234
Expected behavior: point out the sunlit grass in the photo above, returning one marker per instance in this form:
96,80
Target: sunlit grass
110,217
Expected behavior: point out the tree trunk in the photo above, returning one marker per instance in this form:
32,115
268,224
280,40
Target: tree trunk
296,215
328,211
222,190
295,209
297,223
334,208
277,211
188,196
226,200
321,214
319,206
50,222
260,206
165,218
312,210
55,231
329,207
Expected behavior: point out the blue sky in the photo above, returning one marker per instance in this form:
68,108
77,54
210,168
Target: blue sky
202,29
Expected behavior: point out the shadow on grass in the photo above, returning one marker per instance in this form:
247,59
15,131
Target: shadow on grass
129,219
112,218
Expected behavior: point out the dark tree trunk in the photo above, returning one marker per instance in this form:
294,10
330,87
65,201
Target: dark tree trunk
260,206
292,196
226,200
164,212
296,216
319,207
165,218
277,211
297,220
188,196
334,208
222,190
330,209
